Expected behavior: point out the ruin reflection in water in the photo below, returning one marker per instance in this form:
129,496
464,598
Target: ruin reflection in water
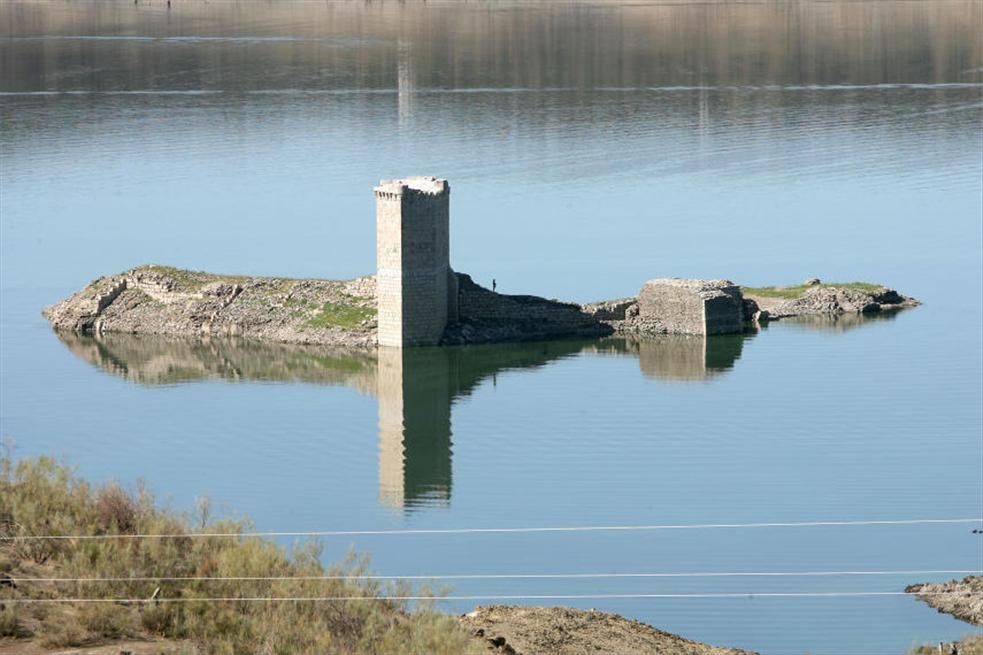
416,388
680,358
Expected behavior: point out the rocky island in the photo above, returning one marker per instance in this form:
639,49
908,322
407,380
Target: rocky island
416,298
161,300
962,599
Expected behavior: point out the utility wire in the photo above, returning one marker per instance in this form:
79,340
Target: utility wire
499,576
430,531
266,599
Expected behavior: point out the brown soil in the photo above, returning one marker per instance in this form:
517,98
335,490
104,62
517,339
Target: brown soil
504,630
133,647
563,631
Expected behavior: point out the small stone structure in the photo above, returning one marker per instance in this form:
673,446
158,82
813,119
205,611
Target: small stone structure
417,292
702,307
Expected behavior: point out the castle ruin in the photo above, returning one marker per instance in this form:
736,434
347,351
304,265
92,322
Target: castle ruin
419,296
416,288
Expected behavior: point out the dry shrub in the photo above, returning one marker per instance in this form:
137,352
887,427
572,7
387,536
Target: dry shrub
7,525
107,620
39,612
115,510
60,629
10,625
44,497
162,620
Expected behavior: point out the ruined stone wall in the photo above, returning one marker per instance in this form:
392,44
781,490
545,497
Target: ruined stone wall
389,268
693,306
413,260
484,315
723,313
477,304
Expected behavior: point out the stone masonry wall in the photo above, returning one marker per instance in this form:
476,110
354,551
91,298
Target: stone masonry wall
413,260
389,268
488,316
693,306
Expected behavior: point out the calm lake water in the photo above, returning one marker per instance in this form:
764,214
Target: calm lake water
591,146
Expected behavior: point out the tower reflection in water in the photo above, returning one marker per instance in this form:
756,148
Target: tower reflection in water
416,388
414,393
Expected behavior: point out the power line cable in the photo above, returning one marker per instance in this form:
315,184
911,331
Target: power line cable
434,531
254,599
502,576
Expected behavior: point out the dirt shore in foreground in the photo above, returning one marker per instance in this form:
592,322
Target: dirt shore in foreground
518,630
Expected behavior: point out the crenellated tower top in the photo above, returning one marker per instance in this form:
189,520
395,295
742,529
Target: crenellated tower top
418,185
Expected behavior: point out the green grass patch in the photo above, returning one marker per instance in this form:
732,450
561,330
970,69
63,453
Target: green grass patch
799,290
340,315
192,280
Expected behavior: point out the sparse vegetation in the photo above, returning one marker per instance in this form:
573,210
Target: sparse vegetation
9,623
41,496
341,315
799,290
192,280
61,630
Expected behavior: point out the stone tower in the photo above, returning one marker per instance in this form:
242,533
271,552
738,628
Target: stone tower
416,287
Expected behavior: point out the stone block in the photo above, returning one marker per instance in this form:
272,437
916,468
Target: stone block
703,307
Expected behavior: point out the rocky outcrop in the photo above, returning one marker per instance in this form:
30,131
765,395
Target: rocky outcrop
167,301
814,298
162,300
517,630
678,306
962,599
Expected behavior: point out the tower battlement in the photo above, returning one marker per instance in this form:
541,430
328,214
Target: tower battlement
412,186
413,260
